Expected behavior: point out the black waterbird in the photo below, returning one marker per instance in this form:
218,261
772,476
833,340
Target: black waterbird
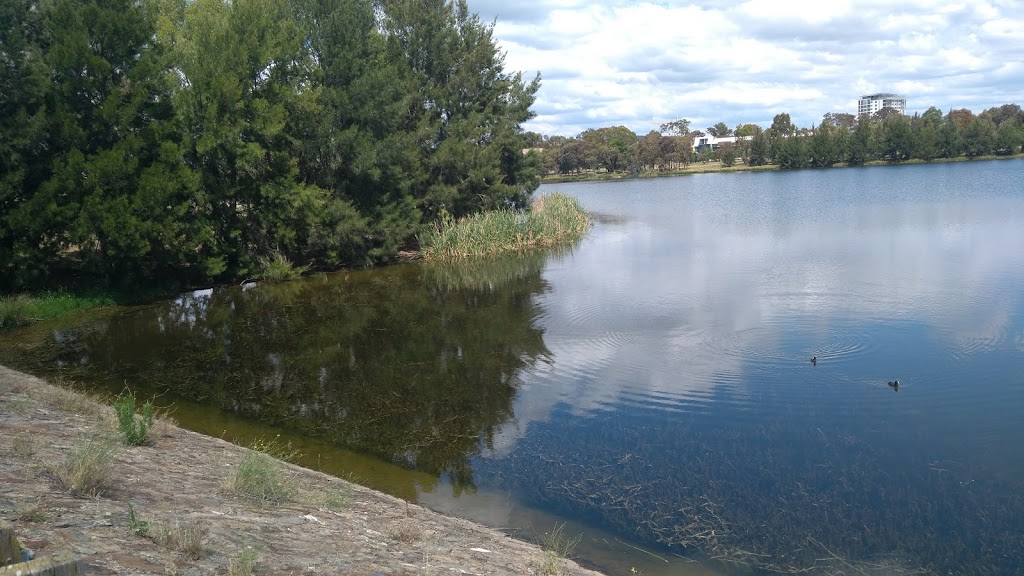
895,385
814,360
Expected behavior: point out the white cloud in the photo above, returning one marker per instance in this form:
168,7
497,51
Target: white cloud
641,63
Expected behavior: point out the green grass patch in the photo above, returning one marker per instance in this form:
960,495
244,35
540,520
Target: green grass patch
23,309
260,475
552,220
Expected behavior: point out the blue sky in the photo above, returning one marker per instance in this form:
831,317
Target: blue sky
641,63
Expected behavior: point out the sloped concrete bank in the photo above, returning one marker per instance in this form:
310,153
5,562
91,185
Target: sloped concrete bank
165,508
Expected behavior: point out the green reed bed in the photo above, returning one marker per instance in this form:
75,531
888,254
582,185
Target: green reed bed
22,309
552,220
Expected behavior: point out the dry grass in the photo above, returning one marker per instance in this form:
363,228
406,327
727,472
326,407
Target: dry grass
88,469
15,404
244,563
406,533
23,445
63,396
163,426
186,537
34,513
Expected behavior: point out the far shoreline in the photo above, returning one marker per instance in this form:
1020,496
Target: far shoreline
715,167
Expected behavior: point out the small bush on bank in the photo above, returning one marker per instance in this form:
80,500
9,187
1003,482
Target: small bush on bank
278,268
134,430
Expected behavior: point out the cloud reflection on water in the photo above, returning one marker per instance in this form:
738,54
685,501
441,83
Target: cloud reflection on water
655,308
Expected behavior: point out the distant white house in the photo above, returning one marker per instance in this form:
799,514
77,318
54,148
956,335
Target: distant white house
713,142
871,103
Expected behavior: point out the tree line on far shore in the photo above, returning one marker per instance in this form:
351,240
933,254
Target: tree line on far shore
180,142
840,138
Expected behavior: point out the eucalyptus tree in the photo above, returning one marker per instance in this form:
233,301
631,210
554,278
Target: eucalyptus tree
610,147
1009,137
980,137
760,149
679,127
858,148
720,130
793,152
951,139
927,133
898,138
825,146
840,120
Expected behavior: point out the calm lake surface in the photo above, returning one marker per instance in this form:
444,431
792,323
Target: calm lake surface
653,385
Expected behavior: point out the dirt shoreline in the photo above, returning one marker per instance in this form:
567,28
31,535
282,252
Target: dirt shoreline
187,523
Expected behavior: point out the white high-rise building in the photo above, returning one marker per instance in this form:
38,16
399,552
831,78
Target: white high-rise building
874,102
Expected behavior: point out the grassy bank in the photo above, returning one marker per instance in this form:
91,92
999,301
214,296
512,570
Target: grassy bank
552,220
22,309
716,166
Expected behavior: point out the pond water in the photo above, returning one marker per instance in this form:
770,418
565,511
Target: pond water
652,386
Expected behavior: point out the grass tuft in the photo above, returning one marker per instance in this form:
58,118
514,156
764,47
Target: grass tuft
23,445
558,543
134,430
552,220
244,564
34,514
260,474
138,527
557,546
187,537
88,470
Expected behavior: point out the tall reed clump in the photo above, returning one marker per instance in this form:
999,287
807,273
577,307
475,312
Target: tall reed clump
552,220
